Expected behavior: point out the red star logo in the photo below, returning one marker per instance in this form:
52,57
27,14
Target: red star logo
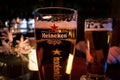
54,27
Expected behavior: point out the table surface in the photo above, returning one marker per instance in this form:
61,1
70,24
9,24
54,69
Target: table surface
79,69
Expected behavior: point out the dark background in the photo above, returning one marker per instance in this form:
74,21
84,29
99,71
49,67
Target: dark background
87,8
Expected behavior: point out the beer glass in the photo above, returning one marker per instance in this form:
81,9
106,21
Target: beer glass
55,35
98,35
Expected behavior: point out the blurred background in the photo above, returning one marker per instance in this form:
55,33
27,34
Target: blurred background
88,8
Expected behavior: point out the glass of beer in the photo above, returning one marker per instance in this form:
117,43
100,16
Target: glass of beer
97,35
55,36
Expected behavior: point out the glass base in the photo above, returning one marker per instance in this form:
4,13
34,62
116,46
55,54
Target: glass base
96,76
90,76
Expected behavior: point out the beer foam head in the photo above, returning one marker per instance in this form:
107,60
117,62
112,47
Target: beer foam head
98,24
59,24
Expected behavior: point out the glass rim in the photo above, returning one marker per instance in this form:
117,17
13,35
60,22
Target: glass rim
61,8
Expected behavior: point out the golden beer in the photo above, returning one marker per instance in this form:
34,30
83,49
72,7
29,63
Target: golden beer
98,35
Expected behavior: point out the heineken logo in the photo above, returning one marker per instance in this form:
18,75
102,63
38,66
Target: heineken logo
54,27
54,34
